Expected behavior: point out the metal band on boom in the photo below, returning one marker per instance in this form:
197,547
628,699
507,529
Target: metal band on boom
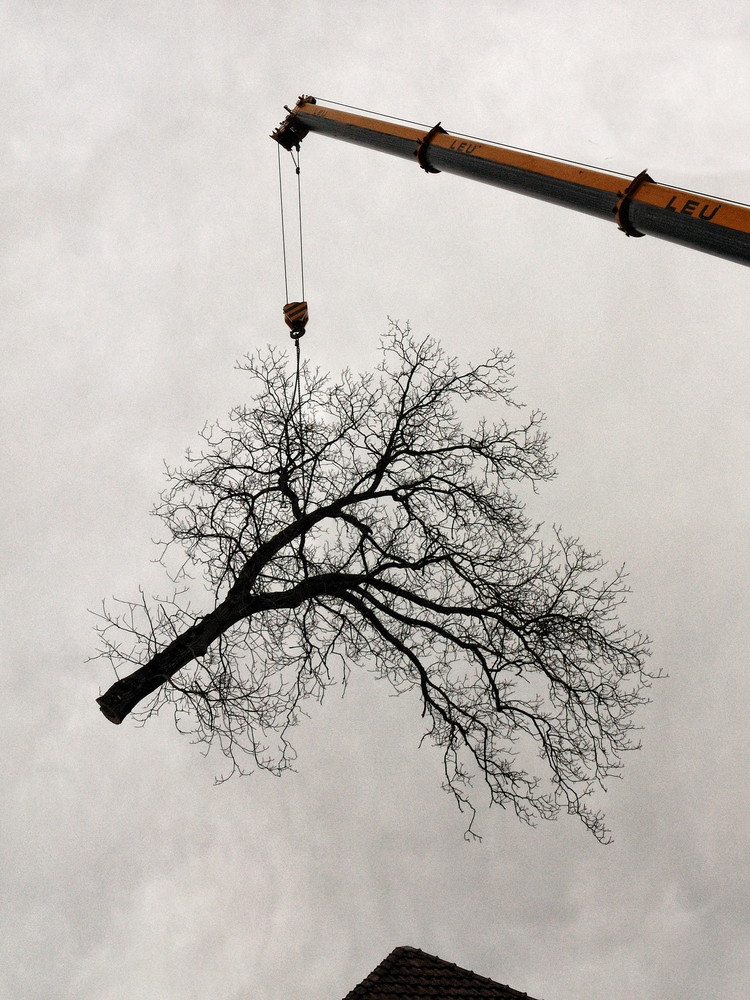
423,145
623,202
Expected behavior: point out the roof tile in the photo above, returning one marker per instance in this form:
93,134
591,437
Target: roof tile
409,972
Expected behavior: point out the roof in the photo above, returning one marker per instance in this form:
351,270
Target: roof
409,972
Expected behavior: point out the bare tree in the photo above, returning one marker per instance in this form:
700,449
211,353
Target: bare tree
355,522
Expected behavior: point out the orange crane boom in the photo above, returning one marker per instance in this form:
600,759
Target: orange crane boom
638,205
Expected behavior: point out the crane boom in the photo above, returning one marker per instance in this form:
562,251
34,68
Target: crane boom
639,205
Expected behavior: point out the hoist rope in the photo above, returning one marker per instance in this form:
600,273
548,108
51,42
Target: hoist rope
296,390
296,162
283,227
299,216
297,394
294,416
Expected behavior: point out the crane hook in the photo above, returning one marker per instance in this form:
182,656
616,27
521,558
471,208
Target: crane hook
296,316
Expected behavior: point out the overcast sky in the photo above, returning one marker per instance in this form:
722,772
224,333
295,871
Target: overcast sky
140,258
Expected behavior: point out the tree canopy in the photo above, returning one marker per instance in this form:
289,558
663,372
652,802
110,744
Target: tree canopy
354,522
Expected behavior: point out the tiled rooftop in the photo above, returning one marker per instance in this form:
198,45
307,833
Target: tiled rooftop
409,972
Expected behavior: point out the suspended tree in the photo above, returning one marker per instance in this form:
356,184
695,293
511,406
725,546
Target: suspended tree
354,522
